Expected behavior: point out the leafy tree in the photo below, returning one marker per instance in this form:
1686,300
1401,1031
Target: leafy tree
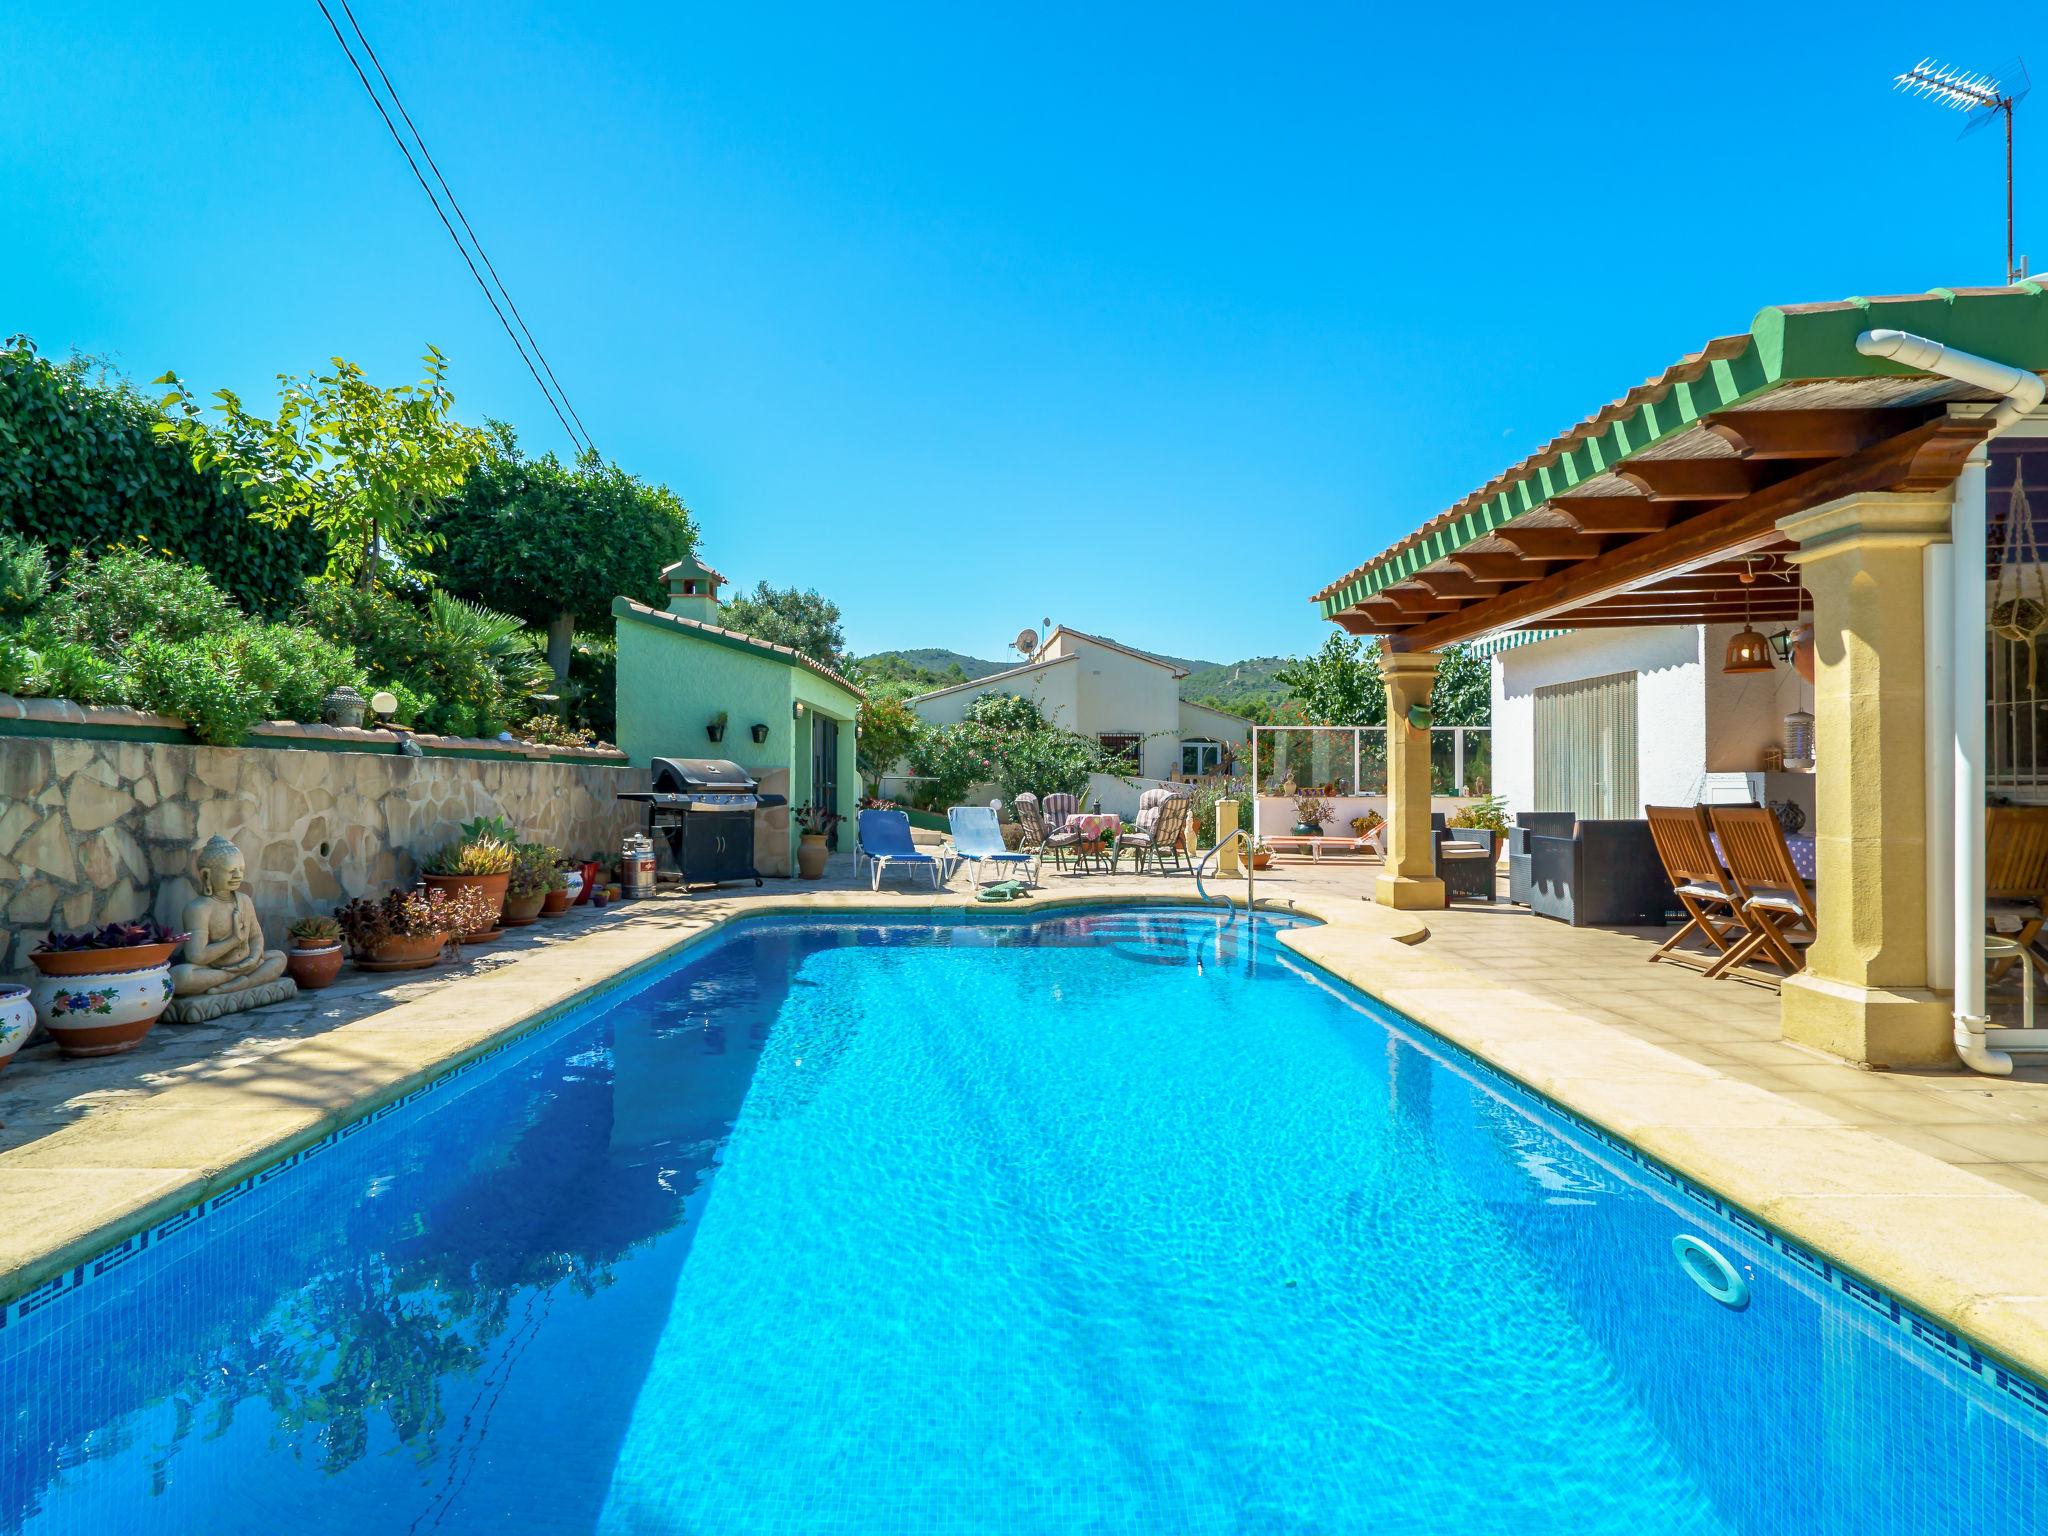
555,543
888,729
363,465
1340,684
1464,688
802,620
897,675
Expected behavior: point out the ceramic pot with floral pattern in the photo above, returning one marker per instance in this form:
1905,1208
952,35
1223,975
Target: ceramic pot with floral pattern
101,1015
17,1019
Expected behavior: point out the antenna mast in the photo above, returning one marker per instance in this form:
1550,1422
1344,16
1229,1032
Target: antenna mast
1980,97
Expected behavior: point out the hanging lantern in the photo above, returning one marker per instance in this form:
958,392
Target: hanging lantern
1748,651
1799,740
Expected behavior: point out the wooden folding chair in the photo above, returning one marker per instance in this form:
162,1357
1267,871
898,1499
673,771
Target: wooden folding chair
2016,876
1776,906
1686,847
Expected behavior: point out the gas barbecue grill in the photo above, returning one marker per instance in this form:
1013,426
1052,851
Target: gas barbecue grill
705,807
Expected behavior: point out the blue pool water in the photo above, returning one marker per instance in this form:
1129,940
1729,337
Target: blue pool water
1126,1223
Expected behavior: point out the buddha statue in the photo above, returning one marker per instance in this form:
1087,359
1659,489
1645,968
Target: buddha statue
224,955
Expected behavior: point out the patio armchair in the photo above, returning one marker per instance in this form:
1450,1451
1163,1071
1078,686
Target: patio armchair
1601,874
1038,837
1465,859
1775,904
978,840
1685,843
1162,827
2016,879
1530,824
882,838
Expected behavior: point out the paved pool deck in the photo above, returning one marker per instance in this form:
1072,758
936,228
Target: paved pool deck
1933,1185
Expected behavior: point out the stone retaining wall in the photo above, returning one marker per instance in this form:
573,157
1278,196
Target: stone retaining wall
95,831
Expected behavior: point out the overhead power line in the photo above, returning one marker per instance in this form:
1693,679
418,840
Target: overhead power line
580,439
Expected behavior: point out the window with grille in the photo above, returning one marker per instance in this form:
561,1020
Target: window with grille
2016,668
1122,744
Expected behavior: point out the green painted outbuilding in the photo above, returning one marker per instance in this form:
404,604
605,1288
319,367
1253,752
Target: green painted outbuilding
785,718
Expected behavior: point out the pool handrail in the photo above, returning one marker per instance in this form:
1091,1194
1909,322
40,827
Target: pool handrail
1250,889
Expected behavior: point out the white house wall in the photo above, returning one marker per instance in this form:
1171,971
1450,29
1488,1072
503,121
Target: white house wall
1748,710
1054,688
1121,692
1671,709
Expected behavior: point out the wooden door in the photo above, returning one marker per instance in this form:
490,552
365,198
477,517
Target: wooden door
825,769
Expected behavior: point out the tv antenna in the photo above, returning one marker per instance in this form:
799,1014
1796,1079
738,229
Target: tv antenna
1981,98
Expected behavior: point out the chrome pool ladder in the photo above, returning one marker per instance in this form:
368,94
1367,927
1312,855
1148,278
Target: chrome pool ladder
1250,888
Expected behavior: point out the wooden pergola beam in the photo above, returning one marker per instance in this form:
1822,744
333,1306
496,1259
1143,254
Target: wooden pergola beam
1549,543
1456,583
1926,458
1498,567
1615,514
1808,434
1692,479
1419,600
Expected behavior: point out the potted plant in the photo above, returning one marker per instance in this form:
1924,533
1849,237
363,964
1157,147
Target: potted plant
813,823
1311,810
1261,856
556,901
715,727
314,959
17,1019
406,931
101,990
482,862
533,868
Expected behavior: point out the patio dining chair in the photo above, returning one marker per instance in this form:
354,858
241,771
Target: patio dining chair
1161,830
2016,880
1775,904
1685,844
1037,837
1057,808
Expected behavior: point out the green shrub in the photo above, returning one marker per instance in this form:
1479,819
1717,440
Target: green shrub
82,470
1005,712
124,594
66,670
24,575
199,681
17,665
458,670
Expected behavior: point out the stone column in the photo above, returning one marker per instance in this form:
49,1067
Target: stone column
1864,994
1226,823
1409,879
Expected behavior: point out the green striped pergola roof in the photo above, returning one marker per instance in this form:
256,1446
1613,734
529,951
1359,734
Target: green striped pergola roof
1785,345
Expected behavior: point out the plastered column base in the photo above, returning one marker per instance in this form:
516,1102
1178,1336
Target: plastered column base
1410,893
1906,1027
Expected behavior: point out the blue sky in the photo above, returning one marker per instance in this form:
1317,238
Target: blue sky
1148,318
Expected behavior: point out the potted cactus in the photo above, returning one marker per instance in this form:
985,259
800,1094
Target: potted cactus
314,959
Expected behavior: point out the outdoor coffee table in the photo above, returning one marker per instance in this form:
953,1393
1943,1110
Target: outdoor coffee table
1098,833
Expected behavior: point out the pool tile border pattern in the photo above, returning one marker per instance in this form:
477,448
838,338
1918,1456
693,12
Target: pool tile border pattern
1772,1168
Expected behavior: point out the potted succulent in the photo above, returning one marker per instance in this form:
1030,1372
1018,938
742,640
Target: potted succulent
1311,810
101,990
17,1019
533,868
480,862
813,822
1261,856
715,726
556,901
314,959
406,931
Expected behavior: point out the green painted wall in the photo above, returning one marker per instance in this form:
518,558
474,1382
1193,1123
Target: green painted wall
672,681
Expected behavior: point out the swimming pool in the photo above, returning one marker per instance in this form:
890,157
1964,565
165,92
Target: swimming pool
1124,1222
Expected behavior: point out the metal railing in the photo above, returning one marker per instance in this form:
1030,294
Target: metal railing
1237,834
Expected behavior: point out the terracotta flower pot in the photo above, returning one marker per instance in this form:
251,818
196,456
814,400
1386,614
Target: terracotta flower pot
399,953
1262,859
313,966
521,910
17,1019
103,1014
811,854
554,904
492,886
102,962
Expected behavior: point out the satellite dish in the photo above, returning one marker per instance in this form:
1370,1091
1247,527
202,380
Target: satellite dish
1026,641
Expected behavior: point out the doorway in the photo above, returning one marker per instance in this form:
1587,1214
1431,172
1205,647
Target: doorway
825,770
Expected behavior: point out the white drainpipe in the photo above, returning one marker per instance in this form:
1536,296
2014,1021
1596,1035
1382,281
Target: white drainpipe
2020,392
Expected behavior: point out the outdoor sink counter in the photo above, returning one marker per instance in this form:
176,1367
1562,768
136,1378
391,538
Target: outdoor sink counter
1965,1251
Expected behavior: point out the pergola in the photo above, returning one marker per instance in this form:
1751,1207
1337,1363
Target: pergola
1786,456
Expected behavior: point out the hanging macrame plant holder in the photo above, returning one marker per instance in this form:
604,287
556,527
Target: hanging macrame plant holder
2019,592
